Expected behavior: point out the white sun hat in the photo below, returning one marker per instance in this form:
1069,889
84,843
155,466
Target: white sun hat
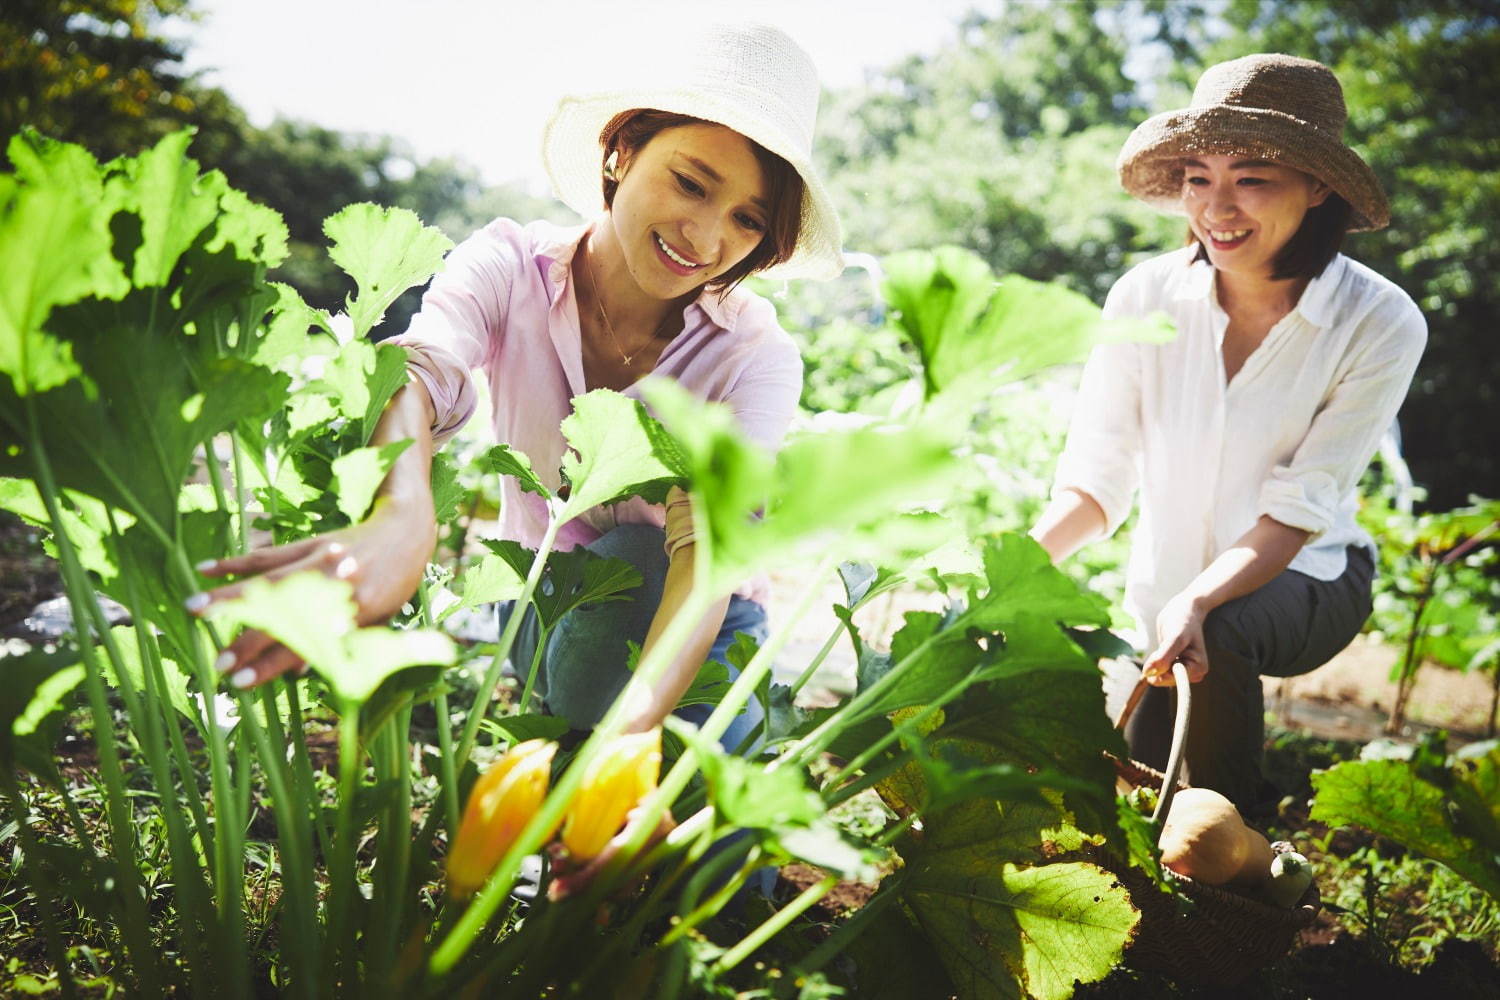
749,77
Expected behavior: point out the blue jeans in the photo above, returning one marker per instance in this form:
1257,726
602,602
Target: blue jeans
583,667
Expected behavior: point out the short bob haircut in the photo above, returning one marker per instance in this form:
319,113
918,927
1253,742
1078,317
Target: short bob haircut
631,130
1311,247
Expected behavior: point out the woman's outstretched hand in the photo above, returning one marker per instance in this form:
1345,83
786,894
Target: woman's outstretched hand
1179,630
382,557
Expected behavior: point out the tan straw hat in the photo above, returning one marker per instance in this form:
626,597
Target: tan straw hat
750,77
1272,107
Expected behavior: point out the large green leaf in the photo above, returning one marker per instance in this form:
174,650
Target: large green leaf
572,578
385,251
1450,814
828,493
314,616
1049,720
617,451
1008,931
174,204
128,645
490,579
362,378
973,331
56,244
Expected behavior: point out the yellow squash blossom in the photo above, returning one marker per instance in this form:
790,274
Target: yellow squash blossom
615,782
503,801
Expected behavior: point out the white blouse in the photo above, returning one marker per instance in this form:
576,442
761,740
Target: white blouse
1289,436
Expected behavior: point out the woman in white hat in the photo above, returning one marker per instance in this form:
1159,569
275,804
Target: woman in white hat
1246,435
690,182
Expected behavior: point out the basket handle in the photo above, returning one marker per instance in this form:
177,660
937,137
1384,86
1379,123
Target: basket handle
1183,694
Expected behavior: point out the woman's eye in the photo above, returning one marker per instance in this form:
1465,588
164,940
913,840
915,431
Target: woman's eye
688,185
751,223
1197,181
1252,181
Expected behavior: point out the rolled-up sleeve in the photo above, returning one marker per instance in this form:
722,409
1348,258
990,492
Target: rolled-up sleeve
1101,456
1306,492
461,322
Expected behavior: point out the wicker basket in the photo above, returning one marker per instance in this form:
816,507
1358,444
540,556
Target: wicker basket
1223,937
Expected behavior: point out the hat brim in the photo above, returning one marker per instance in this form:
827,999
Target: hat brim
572,157
1150,164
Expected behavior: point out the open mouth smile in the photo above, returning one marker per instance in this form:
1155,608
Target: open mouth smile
674,261
1228,239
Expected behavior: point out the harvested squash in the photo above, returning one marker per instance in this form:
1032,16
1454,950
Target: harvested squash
1205,839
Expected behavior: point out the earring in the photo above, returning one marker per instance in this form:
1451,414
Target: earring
610,166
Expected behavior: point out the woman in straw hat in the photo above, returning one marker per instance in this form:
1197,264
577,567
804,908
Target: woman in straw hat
1246,435
689,182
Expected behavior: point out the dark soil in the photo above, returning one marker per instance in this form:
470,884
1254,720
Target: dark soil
27,576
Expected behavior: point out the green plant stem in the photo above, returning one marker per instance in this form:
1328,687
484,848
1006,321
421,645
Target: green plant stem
122,833
850,929
773,926
817,661
531,671
297,881
41,885
698,912
341,977
491,680
394,853
447,771
302,772
909,726
148,716
816,741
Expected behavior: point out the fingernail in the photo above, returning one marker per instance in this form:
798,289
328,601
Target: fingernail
206,565
196,603
345,568
224,662
243,678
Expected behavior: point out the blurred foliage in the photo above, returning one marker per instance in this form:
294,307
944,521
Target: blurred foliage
103,74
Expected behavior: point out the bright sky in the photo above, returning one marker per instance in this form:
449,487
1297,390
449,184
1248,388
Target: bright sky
476,80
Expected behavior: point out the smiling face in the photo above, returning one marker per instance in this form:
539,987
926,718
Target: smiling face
1245,211
691,204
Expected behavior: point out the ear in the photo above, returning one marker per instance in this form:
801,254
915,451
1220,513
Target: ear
1319,193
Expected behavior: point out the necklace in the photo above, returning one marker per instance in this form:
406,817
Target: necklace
609,327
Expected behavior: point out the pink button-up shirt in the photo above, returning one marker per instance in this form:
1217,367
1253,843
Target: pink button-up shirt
504,304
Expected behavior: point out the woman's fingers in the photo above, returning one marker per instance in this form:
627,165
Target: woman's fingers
273,661
259,560
330,557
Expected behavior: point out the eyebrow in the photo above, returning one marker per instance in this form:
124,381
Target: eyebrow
1237,165
713,175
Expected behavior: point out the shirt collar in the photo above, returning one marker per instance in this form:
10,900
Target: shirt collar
1317,301
554,247
1316,304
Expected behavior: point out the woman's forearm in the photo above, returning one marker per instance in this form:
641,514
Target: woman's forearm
1072,520
408,485
684,667
1256,558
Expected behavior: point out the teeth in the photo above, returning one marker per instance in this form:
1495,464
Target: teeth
668,251
1228,235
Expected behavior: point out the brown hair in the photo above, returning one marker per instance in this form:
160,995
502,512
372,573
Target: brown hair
631,130
1311,247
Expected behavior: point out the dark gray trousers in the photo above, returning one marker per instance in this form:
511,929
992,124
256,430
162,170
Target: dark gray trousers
1290,626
